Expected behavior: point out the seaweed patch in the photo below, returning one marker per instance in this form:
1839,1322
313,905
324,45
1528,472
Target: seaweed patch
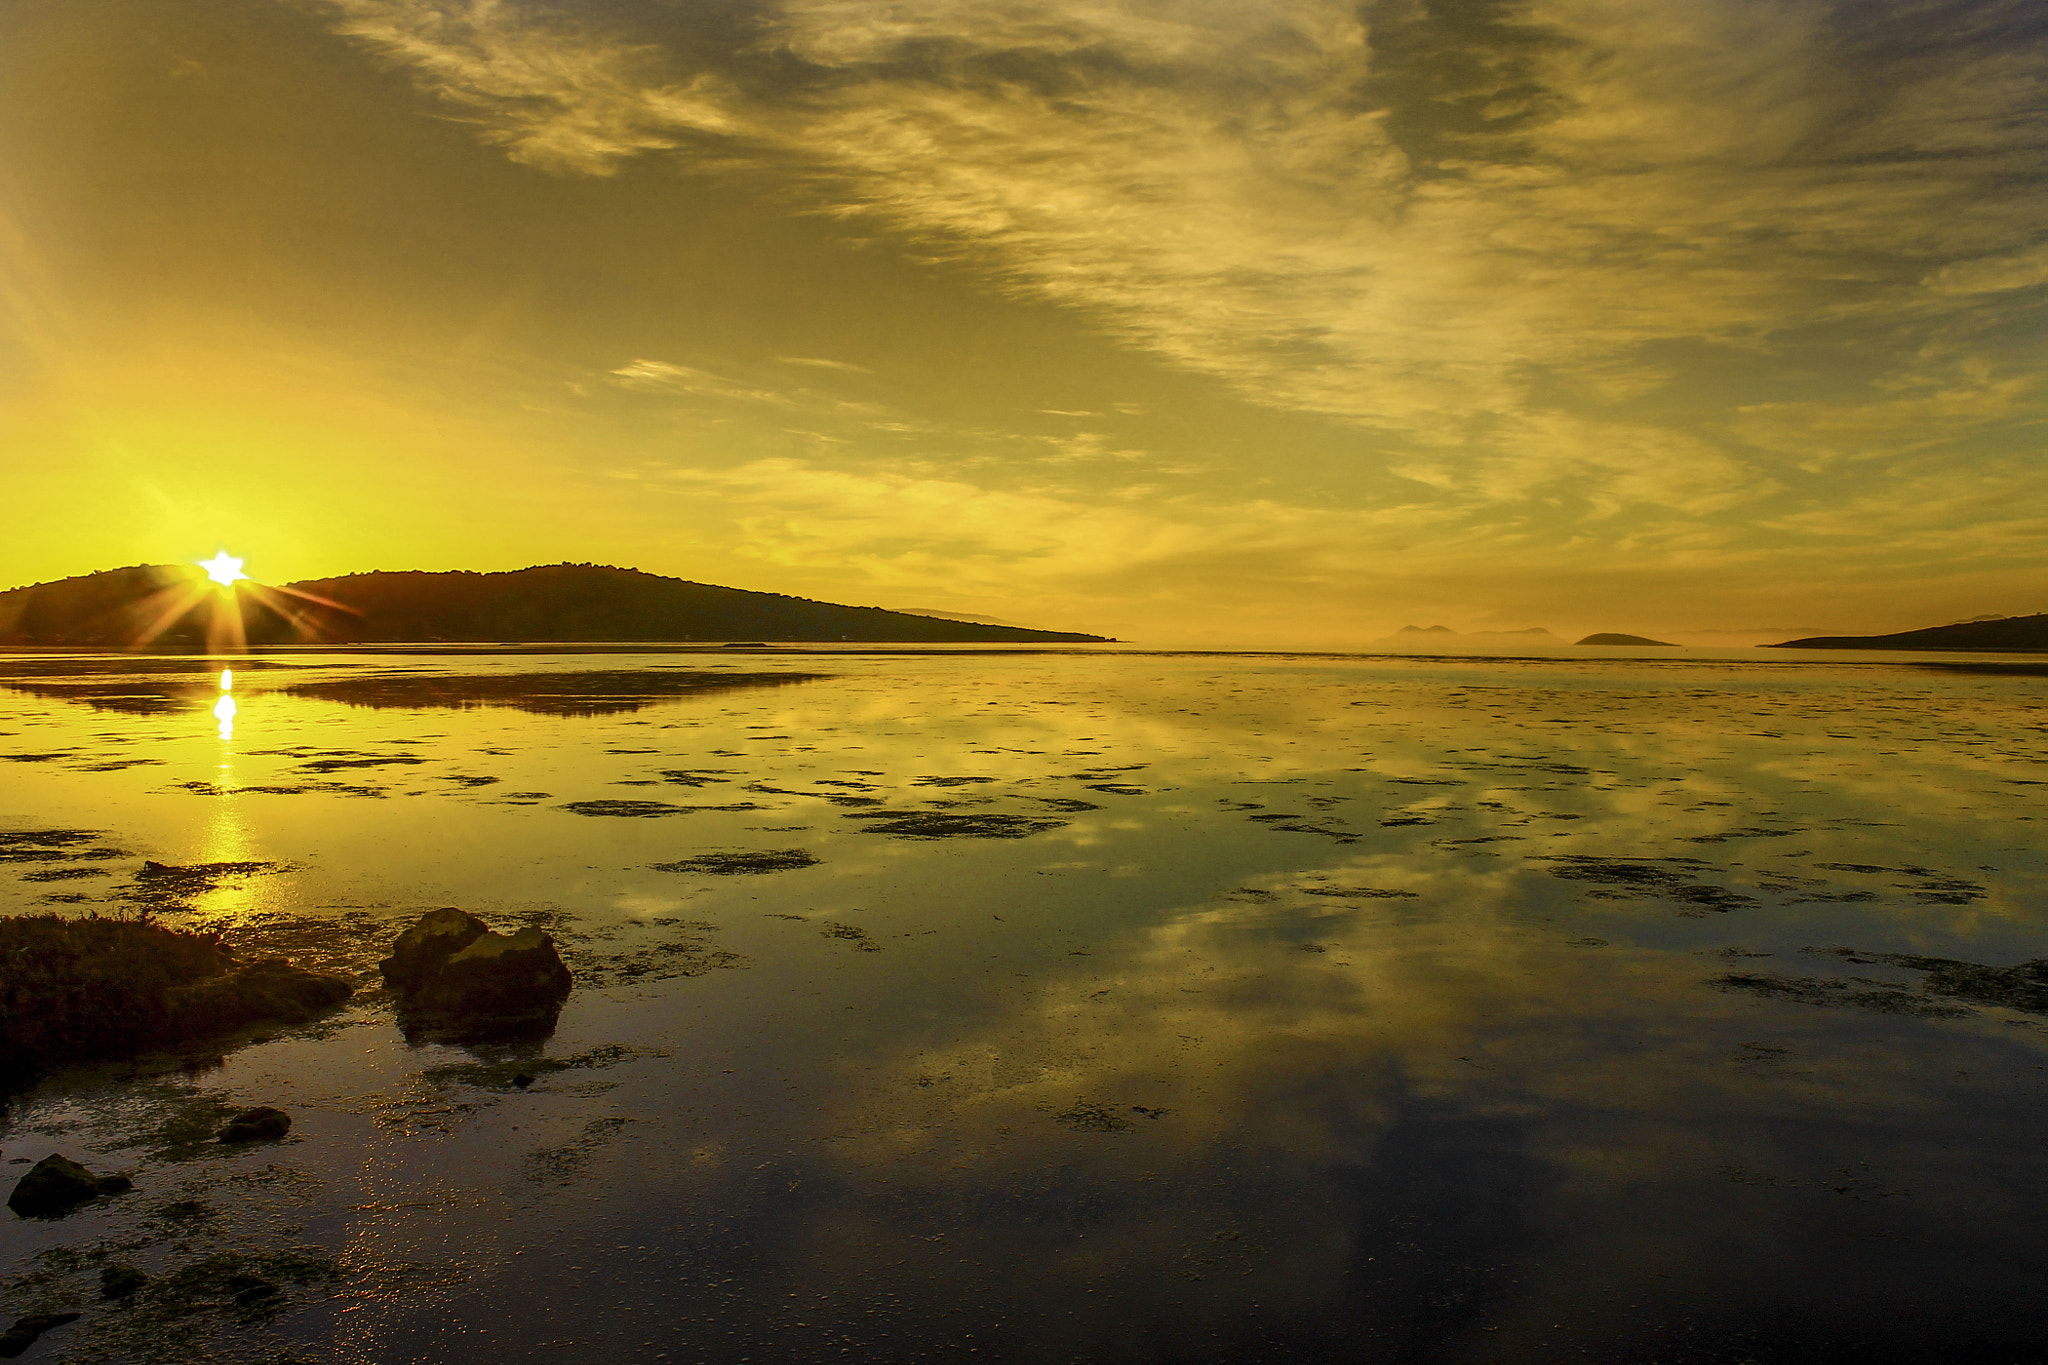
629,810
1648,879
940,825
1929,886
849,933
50,845
329,765
743,864
1086,1116
692,777
168,886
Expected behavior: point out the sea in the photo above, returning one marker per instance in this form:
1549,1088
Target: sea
1077,1005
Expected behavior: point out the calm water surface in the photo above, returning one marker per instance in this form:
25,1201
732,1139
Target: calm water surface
1093,1007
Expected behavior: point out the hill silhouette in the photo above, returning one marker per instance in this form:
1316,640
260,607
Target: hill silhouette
175,606
169,604
2006,634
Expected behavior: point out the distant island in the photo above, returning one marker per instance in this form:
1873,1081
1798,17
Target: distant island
173,606
2002,634
1437,637
1534,637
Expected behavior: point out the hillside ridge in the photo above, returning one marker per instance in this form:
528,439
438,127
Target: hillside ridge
2005,634
174,606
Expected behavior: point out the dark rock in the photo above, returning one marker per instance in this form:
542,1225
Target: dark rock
421,951
54,1186
268,991
262,1122
250,1289
23,1334
522,1080
119,1281
499,975
458,979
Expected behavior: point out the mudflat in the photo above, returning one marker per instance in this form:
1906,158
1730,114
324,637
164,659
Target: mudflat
1051,1007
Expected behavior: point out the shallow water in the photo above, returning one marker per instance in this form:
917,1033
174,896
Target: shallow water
1072,1007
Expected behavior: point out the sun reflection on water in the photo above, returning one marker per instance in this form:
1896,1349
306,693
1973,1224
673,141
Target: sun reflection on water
224,709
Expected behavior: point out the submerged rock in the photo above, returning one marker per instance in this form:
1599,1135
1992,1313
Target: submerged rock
269,991
250,1289
251,1125
55,1186
119,1281
459,980
23,1334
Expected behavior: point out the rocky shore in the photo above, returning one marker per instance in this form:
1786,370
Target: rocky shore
77,991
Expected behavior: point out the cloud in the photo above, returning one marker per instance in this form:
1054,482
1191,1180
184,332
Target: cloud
1993,274
1207,174
816,363
661,377
551,93
1552,255
1932,411
893,525
1611,467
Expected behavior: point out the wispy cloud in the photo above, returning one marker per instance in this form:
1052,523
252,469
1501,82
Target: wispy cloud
659,376
1993,274
550,92
1551,255
1208,176
1081,547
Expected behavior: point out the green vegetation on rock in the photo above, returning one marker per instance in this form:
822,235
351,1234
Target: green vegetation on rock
74,991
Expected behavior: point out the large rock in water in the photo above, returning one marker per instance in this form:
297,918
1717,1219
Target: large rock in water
460,981
256,1125
55,1186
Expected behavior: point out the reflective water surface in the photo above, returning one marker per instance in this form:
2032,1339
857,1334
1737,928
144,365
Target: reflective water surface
1070,1007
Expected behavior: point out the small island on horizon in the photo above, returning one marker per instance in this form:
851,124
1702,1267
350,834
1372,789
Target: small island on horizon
175,607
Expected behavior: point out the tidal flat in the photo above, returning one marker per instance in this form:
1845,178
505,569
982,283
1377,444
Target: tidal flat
1072,1006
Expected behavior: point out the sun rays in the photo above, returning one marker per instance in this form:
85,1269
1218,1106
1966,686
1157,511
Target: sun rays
219,604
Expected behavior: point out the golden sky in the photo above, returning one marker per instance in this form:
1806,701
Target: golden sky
1220,321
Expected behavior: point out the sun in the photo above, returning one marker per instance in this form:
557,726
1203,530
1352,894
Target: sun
223,569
